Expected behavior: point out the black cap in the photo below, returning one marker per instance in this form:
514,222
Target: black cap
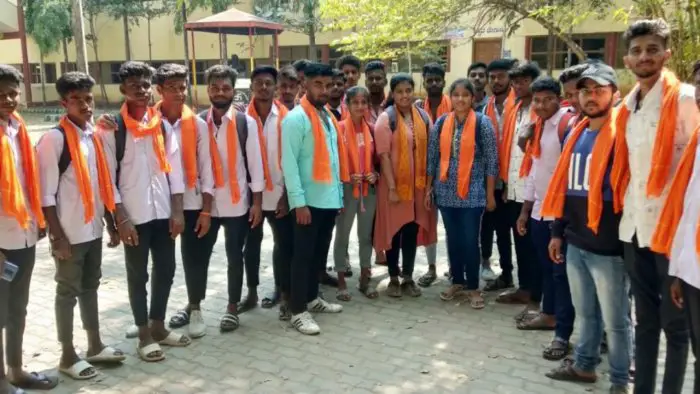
599,73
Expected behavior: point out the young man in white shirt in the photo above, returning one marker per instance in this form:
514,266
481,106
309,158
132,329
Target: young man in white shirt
541,156
146,164
518,122
268,114
288,86
240,179
193,139
657,117
77,187
20,220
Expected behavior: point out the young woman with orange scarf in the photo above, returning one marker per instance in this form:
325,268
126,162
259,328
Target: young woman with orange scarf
462,173
402,220
359,195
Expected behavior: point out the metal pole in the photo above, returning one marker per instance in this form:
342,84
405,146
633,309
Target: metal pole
277,49
25,56
250,43
194,70
183,10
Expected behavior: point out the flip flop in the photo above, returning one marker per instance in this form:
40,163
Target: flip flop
108,355
271,300
246,305
175,340
427,279
367,290
476,301
535,324
229,322
498,284
36,381
180,319
146,353
567,373
76,371
557,350
343,295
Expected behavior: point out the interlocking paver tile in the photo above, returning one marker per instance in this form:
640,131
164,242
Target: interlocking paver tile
381,346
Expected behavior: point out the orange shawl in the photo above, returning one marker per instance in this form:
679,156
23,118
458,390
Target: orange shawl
343,110
282,112
466,151
322,162
533,149
404,183
188,135
354,154
553,204
263,143
152,128
82,173
662,157
444,107
216,165
13,201
509,130
662,241
508,106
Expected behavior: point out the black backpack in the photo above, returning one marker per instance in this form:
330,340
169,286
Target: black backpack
242,130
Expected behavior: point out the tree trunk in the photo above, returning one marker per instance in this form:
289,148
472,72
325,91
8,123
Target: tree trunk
127,40
150,41
551,54
312,42
222,53
42,75
78,28
93,34
64,43
183,10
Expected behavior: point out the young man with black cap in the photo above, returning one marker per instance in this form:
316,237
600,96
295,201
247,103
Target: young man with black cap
580,198
314,167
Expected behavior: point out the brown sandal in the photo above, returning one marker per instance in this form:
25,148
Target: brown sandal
535,324
451,292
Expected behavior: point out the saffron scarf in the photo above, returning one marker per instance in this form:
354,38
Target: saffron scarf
508,106
82,173
152,128
13,201
354,154
404,183
662,241
553,204
282,111
662,156
343,110
532,149
322,162
216,166
466,151
444,107
188,135
509,129
263,143
232,158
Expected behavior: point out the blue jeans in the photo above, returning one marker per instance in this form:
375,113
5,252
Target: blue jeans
599,289
462,228
556,296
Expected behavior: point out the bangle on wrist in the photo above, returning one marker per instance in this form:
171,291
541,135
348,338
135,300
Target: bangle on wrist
204,213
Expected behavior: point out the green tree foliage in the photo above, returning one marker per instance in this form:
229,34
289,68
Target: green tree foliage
303,16
48,22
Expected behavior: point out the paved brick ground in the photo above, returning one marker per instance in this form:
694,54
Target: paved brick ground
382,346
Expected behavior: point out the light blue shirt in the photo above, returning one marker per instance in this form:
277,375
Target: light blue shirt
298,162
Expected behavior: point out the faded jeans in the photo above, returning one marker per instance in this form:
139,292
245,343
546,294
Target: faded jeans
599,291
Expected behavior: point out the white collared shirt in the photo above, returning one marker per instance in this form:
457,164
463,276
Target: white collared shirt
143,188
192,200
537,182
516,184
271,134
62,191
641,213
12,235
223,206
684,262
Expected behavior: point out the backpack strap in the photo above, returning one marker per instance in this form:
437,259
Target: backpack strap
64,160
391,111
564,124
242,130
119,145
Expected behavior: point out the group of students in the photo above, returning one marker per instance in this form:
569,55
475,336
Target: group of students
597,193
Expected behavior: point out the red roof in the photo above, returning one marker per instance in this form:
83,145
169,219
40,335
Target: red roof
235,21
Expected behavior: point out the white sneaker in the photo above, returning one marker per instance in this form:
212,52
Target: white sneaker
320,305
132,332
197,328
487,273
305,324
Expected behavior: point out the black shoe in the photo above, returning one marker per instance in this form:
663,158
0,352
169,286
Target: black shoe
180,319
328,280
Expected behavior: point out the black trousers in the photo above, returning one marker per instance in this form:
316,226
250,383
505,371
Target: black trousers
14,297
651,288
405,241
529,270
311,244
498,222
691,302
283,237
154,238
196,255
235,232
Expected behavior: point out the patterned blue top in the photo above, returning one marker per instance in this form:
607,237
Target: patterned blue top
485,164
